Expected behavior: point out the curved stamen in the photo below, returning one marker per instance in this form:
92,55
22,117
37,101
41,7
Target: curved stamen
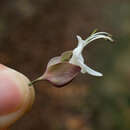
101,33
97,36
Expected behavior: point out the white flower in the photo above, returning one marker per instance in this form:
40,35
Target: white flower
77,57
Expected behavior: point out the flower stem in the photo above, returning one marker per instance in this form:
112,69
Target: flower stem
36,80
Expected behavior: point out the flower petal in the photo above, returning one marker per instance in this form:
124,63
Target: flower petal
77,58
90,71
54,60
61,74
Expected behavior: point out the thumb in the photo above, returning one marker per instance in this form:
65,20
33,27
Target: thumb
15,96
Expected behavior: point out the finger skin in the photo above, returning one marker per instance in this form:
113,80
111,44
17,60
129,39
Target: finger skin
10,95
16,97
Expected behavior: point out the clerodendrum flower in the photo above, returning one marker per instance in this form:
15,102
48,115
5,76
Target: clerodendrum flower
77,57
63,69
